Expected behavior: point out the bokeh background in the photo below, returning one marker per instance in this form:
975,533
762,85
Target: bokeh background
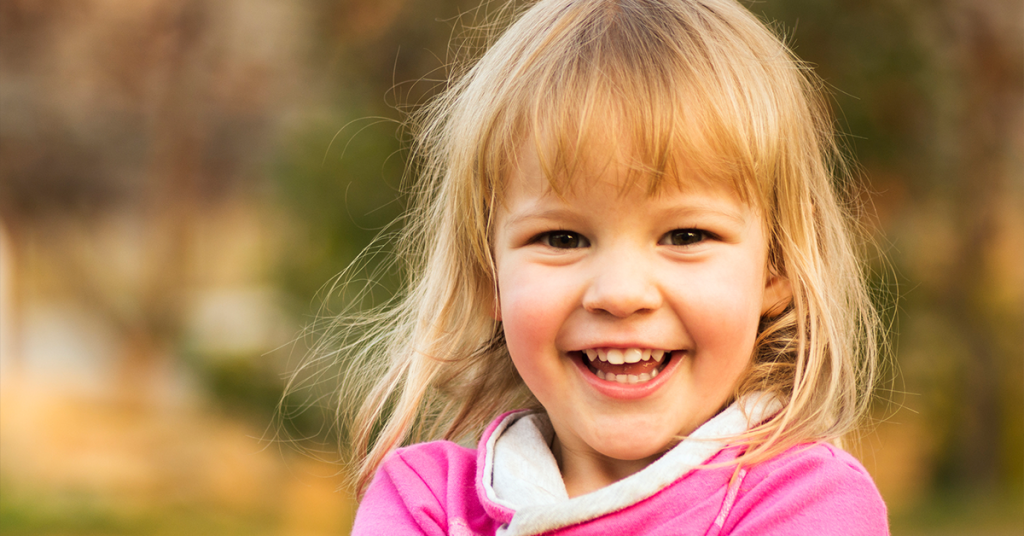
180,178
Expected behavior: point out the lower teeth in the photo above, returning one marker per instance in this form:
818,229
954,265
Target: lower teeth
627,378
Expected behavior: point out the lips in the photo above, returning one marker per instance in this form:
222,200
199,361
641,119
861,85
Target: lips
625,365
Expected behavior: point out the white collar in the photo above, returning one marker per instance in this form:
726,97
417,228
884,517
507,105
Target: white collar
521,473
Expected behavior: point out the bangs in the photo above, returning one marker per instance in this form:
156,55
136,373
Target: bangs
625,87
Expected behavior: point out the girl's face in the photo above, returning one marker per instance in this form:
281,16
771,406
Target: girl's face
597,283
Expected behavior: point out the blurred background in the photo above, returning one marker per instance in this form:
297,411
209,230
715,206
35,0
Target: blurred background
180,179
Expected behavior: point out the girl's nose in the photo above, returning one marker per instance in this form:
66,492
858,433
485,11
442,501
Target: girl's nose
622,287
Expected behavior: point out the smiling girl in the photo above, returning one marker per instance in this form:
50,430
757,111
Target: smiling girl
628,255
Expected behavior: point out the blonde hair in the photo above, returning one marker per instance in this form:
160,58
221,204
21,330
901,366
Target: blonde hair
694,86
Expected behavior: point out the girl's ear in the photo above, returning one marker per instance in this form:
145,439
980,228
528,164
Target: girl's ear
777,295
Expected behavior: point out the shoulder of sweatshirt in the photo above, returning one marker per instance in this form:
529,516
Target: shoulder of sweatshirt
427,488
812,488
425,472
433,459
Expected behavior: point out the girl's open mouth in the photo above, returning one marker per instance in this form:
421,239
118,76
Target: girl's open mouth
625,365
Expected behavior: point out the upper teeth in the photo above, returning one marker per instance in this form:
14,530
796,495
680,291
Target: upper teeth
619,356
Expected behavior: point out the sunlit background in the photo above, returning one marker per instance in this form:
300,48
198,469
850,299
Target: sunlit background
179,179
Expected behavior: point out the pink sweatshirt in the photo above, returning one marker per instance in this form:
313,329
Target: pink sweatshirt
506,487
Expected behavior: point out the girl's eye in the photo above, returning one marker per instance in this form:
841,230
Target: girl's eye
564,240
686,237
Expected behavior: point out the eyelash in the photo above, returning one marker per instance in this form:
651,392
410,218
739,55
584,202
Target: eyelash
576,240
697,236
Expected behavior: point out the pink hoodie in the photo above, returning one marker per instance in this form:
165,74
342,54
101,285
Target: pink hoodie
507,488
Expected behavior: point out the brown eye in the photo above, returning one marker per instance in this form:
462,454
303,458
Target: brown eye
686,237
564,240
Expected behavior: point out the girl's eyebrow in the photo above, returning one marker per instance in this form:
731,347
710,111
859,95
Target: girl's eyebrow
554,213
709,210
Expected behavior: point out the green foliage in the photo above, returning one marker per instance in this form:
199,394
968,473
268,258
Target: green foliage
340,184
246,385
874,69
63,514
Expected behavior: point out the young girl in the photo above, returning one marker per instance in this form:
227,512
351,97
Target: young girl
627,228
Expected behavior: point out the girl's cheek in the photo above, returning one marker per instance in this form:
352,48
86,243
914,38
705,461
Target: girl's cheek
721,309
534,307
527,325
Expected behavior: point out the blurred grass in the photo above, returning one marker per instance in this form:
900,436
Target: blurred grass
84,514
77,465
963,514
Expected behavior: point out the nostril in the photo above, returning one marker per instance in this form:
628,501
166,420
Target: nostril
621,304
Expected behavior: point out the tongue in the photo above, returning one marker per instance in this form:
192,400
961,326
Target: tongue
628,368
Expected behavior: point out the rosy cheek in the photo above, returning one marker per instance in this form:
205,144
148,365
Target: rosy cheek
530,317
530,302
525,328
535,361
519,318
724,315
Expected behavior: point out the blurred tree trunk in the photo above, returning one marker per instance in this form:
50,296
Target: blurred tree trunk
170,199
988,123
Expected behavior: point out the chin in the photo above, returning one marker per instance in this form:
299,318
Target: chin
630,447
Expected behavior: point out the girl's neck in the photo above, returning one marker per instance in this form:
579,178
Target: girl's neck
584,472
